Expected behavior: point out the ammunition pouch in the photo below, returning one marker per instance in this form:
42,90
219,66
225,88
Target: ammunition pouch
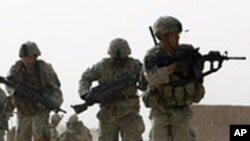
169,96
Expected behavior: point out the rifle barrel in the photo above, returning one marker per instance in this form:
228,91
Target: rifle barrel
61,110
236,58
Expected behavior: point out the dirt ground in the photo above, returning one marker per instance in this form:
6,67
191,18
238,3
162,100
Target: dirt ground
211,123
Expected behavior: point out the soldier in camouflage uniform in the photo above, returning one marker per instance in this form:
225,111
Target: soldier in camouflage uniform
121,116
76,131
170,104
33,117
54,121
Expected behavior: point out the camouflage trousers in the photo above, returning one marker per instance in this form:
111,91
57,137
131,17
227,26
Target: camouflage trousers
2,135
130,127
174,124
11,134
53,134
70,135
34,126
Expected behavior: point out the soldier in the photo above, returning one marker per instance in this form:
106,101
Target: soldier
119,116
55,119
76,131
169,95
33,117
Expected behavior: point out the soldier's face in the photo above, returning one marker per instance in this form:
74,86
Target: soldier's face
171,40
174,39
29,61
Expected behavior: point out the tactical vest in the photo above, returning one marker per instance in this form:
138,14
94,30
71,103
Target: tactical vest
181,90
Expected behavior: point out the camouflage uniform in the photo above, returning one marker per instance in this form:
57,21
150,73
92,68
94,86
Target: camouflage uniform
170,105
76,131
11,134
3,122
33,118
68,136
2,134
121,116
55,119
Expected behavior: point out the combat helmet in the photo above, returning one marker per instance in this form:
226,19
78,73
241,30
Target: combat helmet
29,48
165,25
73,118
119,48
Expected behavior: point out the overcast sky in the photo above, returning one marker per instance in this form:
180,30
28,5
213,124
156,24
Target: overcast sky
74,34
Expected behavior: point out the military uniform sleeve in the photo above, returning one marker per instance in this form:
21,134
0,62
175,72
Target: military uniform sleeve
2,94
90,75
14,74
51,83
153,74
142,82
54,81
6,109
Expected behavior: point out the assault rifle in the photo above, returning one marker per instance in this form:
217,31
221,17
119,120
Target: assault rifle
24,91
105,93
193,57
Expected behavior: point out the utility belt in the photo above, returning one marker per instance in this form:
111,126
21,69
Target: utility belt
119,98
125,97
123,106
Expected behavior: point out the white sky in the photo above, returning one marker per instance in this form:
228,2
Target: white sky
74,34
